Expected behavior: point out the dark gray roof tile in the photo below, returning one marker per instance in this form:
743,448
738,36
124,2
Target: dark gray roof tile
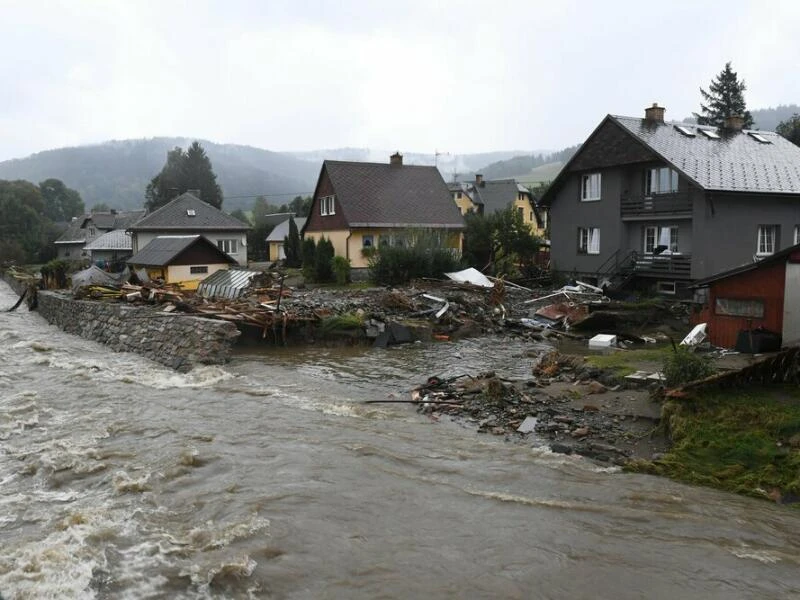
379,194
177,215
735,162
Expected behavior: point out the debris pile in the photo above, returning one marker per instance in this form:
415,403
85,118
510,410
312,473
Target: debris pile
573,418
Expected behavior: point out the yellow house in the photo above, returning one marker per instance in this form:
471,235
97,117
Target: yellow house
181,260
496,195
360,206
462,197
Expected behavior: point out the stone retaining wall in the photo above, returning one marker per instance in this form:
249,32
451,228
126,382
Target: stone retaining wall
178,341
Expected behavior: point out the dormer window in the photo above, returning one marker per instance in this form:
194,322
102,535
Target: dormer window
662,180
758,137
709,133
327,205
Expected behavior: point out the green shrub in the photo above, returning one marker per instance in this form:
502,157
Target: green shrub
683,366
422,256
341,269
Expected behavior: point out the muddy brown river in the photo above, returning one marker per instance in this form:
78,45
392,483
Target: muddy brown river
269,478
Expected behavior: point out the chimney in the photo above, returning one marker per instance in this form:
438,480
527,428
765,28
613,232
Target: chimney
734,122
478,179
654,114
396,160
195,193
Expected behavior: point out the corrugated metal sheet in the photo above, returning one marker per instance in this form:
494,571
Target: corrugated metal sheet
229,283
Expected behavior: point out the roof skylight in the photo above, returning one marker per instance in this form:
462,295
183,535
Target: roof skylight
685,130
710,133
190,212
758,137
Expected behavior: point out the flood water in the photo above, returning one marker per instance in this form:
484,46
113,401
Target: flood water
269,478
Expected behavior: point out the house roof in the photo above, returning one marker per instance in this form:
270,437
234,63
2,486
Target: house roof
103,221
732,162
495,195
188,212
785,254
73,234
281,230
161,251
116,239
384,195
735,162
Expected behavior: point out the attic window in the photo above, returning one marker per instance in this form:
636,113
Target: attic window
709,133
190,212
758,137
685,130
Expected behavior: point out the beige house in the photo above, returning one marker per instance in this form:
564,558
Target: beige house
181,260
360,206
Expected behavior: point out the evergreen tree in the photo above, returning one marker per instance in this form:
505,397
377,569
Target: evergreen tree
323,261
291,246
190,170
790,129
200,176
724,98
309,258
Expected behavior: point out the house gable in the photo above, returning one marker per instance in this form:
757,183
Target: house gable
609,146
318,222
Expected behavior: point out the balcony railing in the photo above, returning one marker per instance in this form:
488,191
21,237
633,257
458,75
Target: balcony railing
657,204
672,265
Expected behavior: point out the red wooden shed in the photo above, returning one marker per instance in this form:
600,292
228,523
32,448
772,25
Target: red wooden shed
763,294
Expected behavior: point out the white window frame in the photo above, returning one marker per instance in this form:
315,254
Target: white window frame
327,206
591,187
797,234
767,242
661,180
667,287
228,246
588,240
656,237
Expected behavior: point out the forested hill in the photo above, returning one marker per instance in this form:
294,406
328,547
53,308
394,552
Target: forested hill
116,173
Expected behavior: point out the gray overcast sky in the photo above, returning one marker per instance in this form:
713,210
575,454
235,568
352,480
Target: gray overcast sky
409,75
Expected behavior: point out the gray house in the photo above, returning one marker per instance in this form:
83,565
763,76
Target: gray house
83,230
188,215
667,203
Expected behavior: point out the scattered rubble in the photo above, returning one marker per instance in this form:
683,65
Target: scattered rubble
551,407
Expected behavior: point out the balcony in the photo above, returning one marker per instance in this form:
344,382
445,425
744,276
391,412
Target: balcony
661,205
674,266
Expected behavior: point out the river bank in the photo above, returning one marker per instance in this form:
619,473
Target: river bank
576,401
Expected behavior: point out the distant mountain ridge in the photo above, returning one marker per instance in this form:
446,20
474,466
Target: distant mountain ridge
117,172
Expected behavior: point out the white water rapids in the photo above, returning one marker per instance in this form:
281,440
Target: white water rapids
270,479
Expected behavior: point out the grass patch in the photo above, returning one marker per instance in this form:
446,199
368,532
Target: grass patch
625,362
742,441
343,322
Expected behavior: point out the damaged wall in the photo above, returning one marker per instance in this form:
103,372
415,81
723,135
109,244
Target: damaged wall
177,341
